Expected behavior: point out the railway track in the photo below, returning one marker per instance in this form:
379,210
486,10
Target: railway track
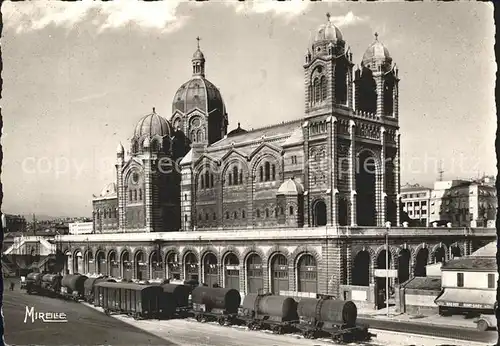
465,334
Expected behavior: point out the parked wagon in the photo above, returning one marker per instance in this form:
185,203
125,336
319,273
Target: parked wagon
138,301
266,311
333,317
34,283
180,294
51,284
215,304
89,286
73,286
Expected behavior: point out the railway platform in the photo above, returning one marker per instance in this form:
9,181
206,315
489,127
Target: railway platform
456,321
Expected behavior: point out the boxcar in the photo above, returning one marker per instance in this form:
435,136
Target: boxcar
139,301
89,286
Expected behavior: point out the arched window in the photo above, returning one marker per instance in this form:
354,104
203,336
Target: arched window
185,218
235,215
242,214
267,169
267,212
310,93
230,179
241,178
207,179
257,213
281,210
130,195
341,83
291,210
227,215
215,216
261,173
140,194
235,175
323,88
206,216
202,179
199,136
212,180
185,197
274,172
317,93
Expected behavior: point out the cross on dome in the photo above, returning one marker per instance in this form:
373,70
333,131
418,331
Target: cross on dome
198,39
376,36
328,15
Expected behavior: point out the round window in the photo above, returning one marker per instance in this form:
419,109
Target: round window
135,178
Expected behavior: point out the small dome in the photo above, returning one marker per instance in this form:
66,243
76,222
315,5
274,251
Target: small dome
198,55
108,190
328,32
153,125
376,53
290,187
120,149
237,131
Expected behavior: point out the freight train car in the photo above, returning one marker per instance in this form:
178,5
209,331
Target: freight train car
89,287
215,304
267,311
73,286
138,301
332,317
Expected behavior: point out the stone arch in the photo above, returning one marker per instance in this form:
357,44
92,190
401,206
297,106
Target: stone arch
356,277
188,249
302,250
433,252
78,261
126,268
252,250
210,270
278,273
368,173
403,256
319,212
419,269
257,161
378,251
452,251
241,164
209,165
209,249
278,249
141,268
172,270
100,268
373,154
89,255
146,251
192,272
229,249
125,249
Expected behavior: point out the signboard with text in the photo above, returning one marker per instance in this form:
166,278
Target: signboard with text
383,273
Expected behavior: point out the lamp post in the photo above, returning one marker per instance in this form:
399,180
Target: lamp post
387,226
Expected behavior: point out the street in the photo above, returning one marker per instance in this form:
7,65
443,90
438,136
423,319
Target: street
85,325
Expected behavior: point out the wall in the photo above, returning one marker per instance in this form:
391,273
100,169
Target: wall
419,302
471,279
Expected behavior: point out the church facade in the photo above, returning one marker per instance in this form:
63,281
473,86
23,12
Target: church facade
335,166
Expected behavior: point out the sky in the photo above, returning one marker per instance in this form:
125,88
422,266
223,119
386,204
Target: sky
78,76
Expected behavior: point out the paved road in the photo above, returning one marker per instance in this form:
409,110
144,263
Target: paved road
431,330
85,326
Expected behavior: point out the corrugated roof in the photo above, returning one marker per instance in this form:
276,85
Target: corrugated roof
424,283
472,263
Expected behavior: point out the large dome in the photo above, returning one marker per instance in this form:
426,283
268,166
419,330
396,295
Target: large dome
376,53
198,93
153,125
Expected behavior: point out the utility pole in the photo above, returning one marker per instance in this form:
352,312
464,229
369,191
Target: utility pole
388,226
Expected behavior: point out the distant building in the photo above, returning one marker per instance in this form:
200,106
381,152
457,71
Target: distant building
81,228
14,223
464,203
105,209
470,283
416,200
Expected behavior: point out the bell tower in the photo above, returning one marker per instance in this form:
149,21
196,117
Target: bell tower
327,72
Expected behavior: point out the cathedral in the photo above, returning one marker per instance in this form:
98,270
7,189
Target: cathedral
337,165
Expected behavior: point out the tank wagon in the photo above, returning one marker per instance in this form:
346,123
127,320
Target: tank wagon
267,311
215,304
34,283
332,317
73,286
136,300
51,284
